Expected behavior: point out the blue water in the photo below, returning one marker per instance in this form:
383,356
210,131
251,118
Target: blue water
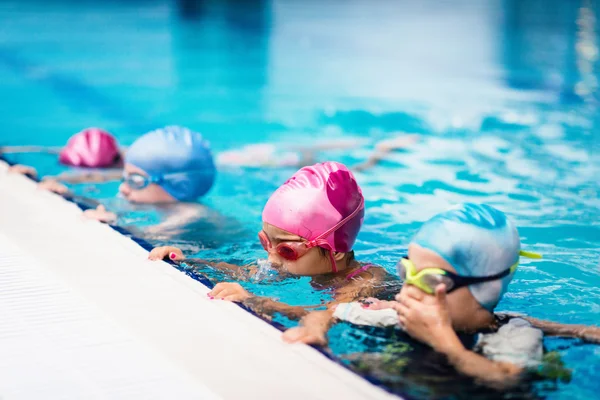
503,95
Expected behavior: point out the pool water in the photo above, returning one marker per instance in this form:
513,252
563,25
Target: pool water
503,96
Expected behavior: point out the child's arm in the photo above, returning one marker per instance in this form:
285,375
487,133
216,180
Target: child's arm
264,306
100,213
382,149
270,155
29,149
53,186
266,155
94,176
58,188
314,326
175,254
23,170
492,373
588,333
51,183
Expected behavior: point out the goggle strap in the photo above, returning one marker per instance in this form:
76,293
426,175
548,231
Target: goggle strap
530,254
471,280
338,225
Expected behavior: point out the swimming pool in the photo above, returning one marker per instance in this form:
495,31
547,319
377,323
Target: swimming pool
504,97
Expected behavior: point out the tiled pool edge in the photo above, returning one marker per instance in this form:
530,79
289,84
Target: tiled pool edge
241,346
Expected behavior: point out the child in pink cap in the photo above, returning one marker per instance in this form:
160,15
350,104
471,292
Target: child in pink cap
310,225
90,148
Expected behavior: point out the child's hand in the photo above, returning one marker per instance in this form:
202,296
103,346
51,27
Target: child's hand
229,291
371,303
23,170
306,335
426,317
313,328
100,214
160,253
53,186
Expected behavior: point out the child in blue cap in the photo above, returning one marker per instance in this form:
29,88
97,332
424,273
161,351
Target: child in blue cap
162,166
458,268
169,168
168,165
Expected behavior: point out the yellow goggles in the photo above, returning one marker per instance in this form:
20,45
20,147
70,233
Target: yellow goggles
428,278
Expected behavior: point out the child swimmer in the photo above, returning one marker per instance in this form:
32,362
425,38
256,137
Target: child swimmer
169,169
310,225
459,266
90,148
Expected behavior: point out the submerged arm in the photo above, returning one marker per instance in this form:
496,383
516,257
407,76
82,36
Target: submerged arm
175,254
89,177
309,153
585,332
382,149
231,270
266,306
313,328
492,373
29,149
315,324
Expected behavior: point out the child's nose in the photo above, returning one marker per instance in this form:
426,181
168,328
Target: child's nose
274,257
124,189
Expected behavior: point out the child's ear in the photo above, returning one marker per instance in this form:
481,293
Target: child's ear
338,256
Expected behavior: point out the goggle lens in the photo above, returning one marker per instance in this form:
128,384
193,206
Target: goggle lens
401,271
433,280
136,181
287,252
426,282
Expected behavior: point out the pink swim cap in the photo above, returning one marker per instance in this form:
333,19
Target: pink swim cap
321,203
92,147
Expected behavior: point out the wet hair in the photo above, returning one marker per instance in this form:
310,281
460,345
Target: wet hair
349,255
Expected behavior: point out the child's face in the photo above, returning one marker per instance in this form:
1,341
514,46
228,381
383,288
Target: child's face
152,193
462,305
311,263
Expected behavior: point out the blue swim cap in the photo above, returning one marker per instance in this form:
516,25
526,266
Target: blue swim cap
180,158
477,240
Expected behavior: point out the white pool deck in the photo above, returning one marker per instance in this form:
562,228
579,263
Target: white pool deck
84,315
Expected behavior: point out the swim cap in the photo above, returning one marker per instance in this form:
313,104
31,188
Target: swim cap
477,240
178,157
92,147
314,201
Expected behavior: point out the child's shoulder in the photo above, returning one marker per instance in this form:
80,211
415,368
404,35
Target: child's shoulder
515,341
